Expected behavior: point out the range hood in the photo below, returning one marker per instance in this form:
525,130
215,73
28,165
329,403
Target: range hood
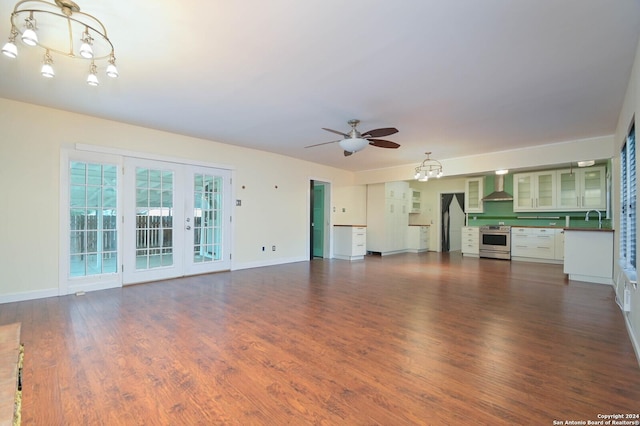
498,193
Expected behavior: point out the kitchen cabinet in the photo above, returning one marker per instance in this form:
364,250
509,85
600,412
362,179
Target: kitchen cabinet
416,201
418,238
473,193
534,191
537,244
387,217
588,255
581,189
471,241
349,242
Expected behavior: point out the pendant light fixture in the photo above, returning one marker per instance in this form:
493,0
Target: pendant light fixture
428,169
77,29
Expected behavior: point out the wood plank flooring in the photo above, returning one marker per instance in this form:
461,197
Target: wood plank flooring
399,340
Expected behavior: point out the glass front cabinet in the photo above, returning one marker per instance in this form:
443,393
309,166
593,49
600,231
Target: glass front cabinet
582,189
534,191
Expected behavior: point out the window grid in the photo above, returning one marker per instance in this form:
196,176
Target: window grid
92,219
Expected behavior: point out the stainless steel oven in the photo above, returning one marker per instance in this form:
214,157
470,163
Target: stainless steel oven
495,241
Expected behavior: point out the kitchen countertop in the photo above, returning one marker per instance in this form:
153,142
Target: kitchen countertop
589,229
570,228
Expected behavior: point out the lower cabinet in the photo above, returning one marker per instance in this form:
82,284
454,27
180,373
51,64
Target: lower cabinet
470,241
537,244
418,238
349,242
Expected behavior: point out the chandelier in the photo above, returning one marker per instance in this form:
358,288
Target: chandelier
428,169
61,28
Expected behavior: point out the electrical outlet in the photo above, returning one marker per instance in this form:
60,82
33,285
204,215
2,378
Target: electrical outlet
273,248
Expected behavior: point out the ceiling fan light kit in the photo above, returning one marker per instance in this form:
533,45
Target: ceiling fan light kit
355,141
429,168
353,144
86,37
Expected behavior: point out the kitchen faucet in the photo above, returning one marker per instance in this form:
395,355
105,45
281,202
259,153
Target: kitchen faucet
586,218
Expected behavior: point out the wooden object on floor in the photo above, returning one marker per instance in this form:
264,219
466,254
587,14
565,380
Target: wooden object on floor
408,339
9,358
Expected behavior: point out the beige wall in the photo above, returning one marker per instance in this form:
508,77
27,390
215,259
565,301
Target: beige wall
349,205
30,150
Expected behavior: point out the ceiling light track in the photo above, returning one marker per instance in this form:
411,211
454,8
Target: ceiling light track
87,36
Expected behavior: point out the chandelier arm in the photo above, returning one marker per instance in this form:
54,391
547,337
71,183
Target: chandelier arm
102,31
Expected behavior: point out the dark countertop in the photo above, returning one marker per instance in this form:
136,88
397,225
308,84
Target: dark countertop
589,229
354,226
565,228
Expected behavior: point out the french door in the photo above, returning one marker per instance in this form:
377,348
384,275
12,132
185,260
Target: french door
176,220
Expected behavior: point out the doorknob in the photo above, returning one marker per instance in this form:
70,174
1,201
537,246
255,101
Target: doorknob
188,227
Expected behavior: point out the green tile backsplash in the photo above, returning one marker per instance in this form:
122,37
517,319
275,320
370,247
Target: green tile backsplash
496,212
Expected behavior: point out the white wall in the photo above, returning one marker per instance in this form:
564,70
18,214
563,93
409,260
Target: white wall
630,108
30,147
553,155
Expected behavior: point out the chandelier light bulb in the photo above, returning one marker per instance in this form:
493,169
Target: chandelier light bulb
10,49
112,71
29,36
47,68
86,51
92,78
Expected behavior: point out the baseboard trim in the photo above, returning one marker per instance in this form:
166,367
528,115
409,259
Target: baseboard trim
28,295
632,336
248,265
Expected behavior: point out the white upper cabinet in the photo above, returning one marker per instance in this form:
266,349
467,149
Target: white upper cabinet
534,191
416,199
473,193
582,189
560,190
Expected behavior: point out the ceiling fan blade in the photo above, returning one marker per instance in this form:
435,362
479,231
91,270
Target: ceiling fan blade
347,153
377,133
381,143
346,135
323,143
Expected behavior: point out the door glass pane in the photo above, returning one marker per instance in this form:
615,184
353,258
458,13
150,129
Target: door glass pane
93,232
207,211
154,218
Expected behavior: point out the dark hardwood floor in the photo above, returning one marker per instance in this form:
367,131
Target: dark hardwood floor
406,339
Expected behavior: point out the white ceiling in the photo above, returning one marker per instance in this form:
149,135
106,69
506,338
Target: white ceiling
456,77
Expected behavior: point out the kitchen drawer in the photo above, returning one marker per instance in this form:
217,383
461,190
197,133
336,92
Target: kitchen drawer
535,243
350,242
470,243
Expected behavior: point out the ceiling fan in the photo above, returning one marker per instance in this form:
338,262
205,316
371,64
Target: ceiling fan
355,141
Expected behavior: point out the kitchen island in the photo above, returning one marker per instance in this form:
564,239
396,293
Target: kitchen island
588,254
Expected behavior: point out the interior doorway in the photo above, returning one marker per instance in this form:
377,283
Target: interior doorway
319,220
451,220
